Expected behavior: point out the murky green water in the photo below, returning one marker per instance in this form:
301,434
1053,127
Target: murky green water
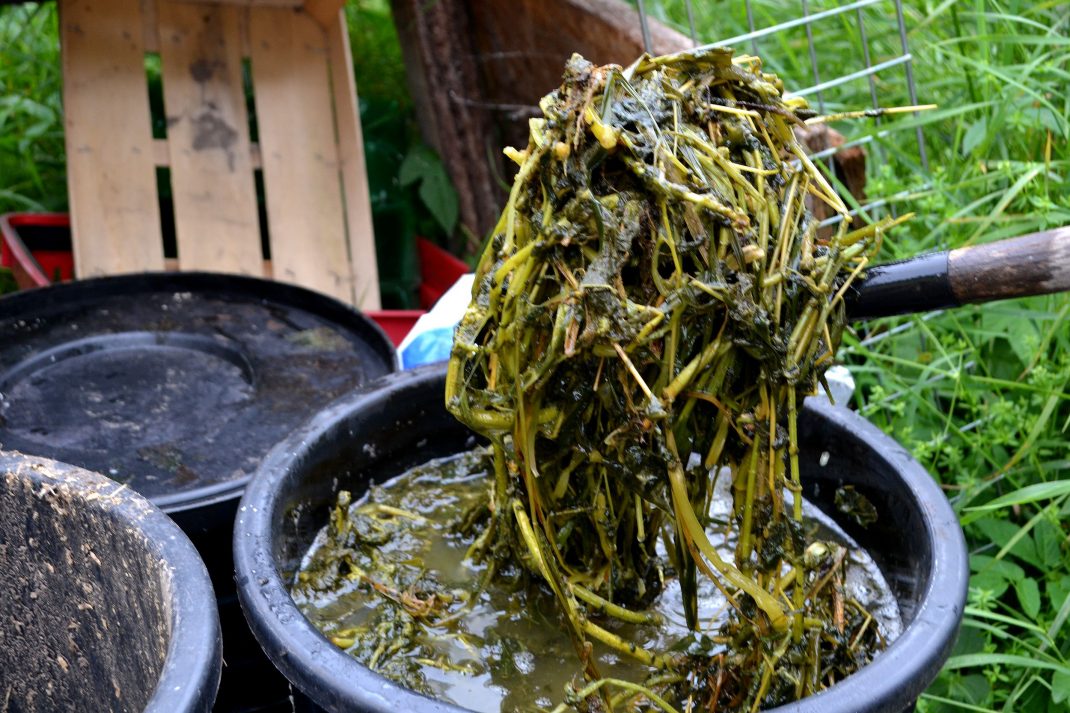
504,648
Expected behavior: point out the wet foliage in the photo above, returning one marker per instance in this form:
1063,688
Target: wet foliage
653,306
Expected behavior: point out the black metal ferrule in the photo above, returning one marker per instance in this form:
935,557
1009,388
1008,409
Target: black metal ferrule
918,284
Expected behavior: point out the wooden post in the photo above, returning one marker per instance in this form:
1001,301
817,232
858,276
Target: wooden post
478,68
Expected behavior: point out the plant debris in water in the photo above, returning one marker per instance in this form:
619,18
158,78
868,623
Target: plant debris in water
656,288
389,581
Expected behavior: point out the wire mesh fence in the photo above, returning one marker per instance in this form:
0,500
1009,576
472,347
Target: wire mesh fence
865,40
868,43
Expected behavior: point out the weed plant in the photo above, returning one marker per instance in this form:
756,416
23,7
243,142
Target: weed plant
980,395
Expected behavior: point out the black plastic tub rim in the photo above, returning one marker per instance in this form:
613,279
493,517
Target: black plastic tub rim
190,672
193,624
223,286
338,682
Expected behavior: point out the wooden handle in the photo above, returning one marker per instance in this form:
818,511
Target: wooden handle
1035,264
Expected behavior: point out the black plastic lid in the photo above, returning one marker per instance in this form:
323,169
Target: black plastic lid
175,383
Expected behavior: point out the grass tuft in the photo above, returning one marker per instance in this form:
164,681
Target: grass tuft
32,157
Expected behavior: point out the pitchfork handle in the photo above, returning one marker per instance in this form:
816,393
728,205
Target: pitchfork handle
1034,264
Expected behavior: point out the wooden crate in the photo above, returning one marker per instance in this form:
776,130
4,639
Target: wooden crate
309,148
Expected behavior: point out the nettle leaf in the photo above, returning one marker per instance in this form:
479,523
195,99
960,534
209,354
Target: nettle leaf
1060,686
993,575
970,641
974,688
1058,590
438,195
1034,115
992,582
1005,568
436,190
418,163
1002,531
974,135
1022,335
1028,596
1048,539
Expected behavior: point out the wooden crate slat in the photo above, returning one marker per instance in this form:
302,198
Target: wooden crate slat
111,179
299,152
161,154
324,11
216,221
150,26
354,176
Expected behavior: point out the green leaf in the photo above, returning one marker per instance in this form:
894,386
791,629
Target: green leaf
1001,531
1028,494
1028,596
974,135
1022,335
993,575
1032,116
1048,537
7,281
970,641
994,659
992,582
418,163
1060,686
973,689
436,190
438,195
1058,590
1008,570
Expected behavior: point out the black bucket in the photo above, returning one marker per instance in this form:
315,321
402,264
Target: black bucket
177,384
104,603
916,541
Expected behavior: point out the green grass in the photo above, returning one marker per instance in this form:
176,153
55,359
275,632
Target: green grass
32,158
980,395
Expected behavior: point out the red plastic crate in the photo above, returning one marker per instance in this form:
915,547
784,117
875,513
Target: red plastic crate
438,271
36,247
396,322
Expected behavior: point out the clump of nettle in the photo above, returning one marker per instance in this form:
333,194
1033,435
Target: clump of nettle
653,305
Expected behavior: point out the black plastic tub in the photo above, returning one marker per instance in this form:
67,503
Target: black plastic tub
177,384
104,603
374,435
